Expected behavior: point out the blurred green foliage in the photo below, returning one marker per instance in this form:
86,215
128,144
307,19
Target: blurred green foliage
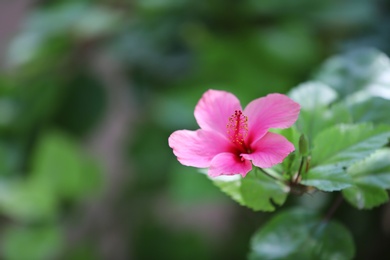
53,99
309,238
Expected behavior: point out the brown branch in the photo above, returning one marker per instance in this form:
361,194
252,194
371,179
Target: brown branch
336,204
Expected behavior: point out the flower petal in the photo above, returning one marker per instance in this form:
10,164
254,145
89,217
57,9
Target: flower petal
271,111
197,148
269,150
229,164
214,109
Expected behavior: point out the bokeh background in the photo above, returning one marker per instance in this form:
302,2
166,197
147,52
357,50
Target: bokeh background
91,90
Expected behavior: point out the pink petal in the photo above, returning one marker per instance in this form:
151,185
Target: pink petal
214,109
269,150
197,148
271,111
229,164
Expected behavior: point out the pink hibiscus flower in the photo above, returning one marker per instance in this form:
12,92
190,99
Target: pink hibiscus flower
231,139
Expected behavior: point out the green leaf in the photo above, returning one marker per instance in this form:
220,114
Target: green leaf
290,133
26,200
369,109
256,191
337,148
374,170
317,113
364,196
231,186
311,95
60,164
261,192
32,243
358,70
343,145
370,179
312,122
299,234
327,178
291,163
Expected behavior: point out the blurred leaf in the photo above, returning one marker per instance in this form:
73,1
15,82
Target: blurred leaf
32,243
60,171
156,5
177,106
82,108
32,105
363,196
11,157
312,122
59,164
96,21
311,95
299,234
188,186
27,201
244,64
370,109
279,7
371,177
278,41
358,70
190,244
337,148
317,113
150,142
256,191
8,111
344,15
71,19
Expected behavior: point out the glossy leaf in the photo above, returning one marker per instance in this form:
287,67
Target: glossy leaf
327,178
261,192
364,196
337,148
374,170
300,234
371,178
342,145
256,191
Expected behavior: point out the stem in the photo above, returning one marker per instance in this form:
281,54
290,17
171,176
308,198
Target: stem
300,169
335,206
269,175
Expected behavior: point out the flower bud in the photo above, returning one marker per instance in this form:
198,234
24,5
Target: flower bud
303,145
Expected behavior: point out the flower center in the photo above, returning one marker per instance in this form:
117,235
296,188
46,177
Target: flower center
237,128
